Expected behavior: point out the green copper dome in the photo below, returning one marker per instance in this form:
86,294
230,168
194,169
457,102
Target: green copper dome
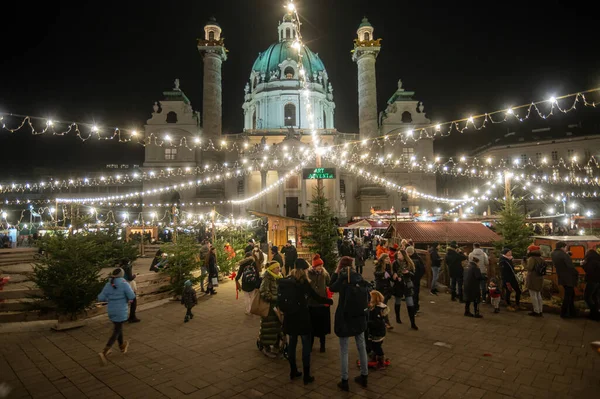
270,59
365,22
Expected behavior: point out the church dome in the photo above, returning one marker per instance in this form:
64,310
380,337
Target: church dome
269,61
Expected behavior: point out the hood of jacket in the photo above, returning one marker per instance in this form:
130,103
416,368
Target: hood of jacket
478,251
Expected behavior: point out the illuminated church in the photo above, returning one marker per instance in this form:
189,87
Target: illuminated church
277,131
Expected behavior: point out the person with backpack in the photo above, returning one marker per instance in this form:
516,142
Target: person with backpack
189,299
118,293
293,293
534,282
351,318
320,316
248,273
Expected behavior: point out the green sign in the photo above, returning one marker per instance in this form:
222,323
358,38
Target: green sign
318,173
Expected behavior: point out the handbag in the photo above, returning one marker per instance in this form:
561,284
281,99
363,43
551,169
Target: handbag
259,306
215,281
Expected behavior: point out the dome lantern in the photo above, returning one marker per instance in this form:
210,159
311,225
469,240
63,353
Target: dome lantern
287,28
365,31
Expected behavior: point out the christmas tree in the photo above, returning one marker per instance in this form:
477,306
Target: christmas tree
513,229
322,230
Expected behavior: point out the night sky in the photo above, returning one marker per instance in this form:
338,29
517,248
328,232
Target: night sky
109,61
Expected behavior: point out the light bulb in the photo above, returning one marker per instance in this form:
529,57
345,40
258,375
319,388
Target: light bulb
50,122
133,133
291,7
167,137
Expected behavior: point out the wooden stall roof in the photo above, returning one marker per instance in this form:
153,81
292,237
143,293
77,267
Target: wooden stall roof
366,224
430,232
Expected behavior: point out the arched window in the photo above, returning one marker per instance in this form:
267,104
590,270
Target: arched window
289,115
211,35
406,117
171,117
366,36
289,72
287,34
324,120
254,120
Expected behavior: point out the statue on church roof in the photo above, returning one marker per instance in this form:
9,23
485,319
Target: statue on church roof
421,107
246,88
155,106
176,85
400,85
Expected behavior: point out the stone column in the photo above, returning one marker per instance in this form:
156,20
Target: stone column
263,185
336,193
367,95
281,195
212,96
303,200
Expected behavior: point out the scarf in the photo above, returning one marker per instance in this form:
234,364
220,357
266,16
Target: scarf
270,271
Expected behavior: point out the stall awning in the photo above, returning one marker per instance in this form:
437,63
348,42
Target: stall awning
366,224
442,232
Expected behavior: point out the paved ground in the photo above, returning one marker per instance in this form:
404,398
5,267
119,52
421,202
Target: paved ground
214,355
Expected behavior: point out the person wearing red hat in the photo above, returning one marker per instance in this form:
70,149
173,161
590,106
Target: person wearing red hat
534,281
320,315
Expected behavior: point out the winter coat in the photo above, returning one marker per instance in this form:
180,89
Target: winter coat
347,250
403,285
319,283
213,271
203,254
118,294
419,268
567,274
436,261
471,290
291,255
268,288
454,261
534,281
188,297
483,259
359,260
382,282
277,258
244,264
346,325
508,271
376,324
298,323
591,266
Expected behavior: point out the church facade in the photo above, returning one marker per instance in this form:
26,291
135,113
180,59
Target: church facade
278,134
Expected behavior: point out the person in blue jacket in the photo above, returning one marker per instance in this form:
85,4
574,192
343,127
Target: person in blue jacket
118,293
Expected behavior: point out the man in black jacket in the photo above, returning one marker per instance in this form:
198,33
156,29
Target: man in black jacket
454,259
276,255
419,273
436,263
290,254
567,277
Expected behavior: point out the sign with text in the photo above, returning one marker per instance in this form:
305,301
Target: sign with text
318,173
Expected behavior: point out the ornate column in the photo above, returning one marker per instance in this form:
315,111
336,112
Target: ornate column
263,185
281,195
336,193
303,199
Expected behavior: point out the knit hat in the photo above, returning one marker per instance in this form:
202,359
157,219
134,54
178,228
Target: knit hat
187,283
274,249
410,250
346,261
301,264
505,250
532,248
317,261
453,244
272,265
118,272
394,248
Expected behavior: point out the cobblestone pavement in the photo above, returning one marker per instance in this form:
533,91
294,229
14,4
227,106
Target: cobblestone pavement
214,355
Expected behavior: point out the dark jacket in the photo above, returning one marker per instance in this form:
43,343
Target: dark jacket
376,322
473,276
291,255
212,266
436,261
346,325
591,266
244,264
507,269
277,258
359,251
319,283
347,249
382,283
298,323
188,297
534,281
454,261
403,285
419,268
567,275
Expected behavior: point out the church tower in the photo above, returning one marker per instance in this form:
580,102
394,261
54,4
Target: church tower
212,49
366,49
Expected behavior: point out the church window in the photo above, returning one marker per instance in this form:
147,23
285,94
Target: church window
538,157
408,152
555,155
171,117
406,117
254,120
287,33
289,115
240,187
170,154
366,36
324,120
289,72
211,35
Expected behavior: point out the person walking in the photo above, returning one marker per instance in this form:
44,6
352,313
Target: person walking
359,259
591,265
118,293
509,279
133,307
483,266
270,326
436,263
403,270
418,275
567,277
454,259
249,274
350,318
297,320
472,291
290,254
534,282
213,271
189,300
320,315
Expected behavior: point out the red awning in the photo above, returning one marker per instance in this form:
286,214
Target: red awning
441,232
